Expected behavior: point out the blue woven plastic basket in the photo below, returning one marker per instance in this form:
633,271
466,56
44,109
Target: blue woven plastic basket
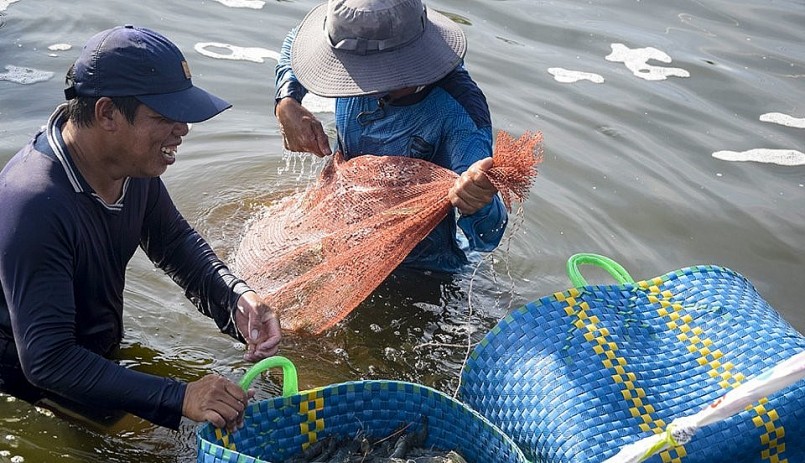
282,427
574,376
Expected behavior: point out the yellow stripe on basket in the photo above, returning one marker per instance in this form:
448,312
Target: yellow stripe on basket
223,438
607,351
313,425
679,320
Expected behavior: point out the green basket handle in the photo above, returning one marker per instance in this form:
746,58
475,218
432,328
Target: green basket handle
618,273
290,384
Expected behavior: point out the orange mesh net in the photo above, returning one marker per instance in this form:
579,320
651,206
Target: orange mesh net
316,255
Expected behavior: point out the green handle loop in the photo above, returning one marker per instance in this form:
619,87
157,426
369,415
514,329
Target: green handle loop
619,273
290,385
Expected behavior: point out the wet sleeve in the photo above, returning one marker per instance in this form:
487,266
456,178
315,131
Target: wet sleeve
285,82
179,250
37,245
483,229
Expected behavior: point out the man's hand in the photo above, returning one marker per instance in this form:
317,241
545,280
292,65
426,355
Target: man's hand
216,399
259,325
473,190
301,131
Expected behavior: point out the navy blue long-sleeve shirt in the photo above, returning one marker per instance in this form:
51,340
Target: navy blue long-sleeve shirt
63,257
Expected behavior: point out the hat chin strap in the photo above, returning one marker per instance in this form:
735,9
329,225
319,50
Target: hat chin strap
363,46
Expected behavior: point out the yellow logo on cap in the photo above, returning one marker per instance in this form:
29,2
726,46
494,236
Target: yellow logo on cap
186,69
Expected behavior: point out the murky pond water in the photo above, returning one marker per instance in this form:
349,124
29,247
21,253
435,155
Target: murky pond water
674,136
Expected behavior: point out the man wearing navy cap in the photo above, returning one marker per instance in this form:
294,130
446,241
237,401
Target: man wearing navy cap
77,202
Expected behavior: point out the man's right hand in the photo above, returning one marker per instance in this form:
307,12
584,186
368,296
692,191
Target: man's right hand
216,399
259,326
301,131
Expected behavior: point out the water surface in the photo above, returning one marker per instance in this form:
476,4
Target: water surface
673,137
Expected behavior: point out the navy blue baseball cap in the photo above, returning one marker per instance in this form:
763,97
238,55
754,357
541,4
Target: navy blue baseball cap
138,62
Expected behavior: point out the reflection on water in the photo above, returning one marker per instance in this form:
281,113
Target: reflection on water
49,432
636,169
412,328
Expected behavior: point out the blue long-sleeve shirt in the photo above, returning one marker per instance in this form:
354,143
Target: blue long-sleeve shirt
63,257
447,123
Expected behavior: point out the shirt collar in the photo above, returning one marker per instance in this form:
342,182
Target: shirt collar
59,147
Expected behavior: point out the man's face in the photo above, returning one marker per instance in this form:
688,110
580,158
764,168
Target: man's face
149,145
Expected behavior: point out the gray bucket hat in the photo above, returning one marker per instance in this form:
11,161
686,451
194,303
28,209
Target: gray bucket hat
361,47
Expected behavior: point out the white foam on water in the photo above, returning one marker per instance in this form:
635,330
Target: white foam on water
21,75
318,104
784,119
254,54
313,103
567,76
254,4
770,156
636,60
5,3
60,47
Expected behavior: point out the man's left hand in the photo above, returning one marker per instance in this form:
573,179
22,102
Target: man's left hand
473,190
259,325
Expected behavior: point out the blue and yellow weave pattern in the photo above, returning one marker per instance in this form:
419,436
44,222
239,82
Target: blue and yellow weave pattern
574,376
279,428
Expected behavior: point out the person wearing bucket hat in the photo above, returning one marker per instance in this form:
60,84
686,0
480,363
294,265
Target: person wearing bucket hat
78,200
396,70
